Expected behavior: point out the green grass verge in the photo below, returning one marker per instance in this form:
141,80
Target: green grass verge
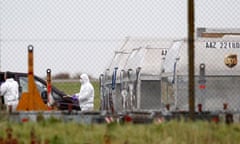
173,132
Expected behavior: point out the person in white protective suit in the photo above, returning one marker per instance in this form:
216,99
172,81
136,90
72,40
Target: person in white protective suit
86,94
10,92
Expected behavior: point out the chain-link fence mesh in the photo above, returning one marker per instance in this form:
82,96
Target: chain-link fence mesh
133,39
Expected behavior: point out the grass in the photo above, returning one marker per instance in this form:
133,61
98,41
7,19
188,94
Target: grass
173,132
74,87
53,131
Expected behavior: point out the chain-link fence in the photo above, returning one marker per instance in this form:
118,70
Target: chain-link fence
216,74
139,47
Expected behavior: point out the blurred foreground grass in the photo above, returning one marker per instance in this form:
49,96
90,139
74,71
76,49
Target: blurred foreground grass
173,132
74,87
53,131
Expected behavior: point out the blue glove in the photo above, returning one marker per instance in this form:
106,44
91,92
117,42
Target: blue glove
75,98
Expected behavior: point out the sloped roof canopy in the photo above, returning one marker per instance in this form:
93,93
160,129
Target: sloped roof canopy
145,53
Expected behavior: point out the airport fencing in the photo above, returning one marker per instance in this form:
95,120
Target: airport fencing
135,37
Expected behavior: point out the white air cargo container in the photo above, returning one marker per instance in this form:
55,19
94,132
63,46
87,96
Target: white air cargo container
136,84
216,75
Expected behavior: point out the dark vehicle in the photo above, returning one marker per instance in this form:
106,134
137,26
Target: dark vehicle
61,102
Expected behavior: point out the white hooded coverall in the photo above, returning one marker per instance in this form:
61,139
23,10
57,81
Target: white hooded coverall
86,94
10,93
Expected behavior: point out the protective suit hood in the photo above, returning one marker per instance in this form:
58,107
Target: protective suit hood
84,79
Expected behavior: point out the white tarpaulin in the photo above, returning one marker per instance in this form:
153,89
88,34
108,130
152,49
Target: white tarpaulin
141,52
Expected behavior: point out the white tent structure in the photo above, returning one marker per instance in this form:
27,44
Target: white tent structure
138,68
141,52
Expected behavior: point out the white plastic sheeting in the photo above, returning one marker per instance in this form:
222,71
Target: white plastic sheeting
133,90
141,52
